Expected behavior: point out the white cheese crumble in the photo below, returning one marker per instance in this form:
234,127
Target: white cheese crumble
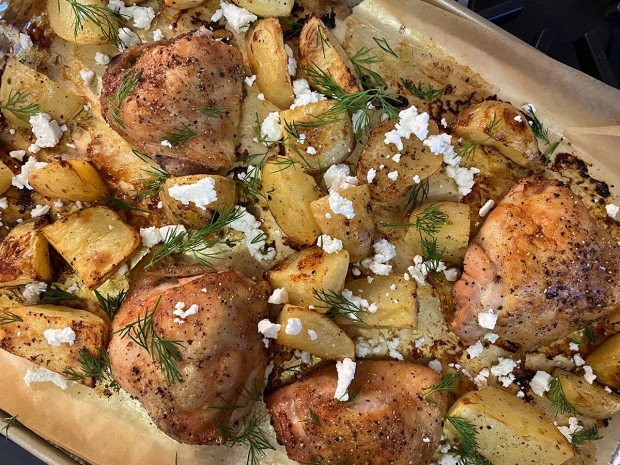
360,303
183,314
487,319
518,119
409,122
4,203
142,16
239,19
475,350
573,427
17,154
269,329
46,130
491,337
612,210
254,237
573,346
293,326
127,38
435,365
311,150
292,63
87,76
503,371
578,359
588,375
486,208
370,176
341,205
278,296
32,291
393,175
481,379
312,334
384,252
270,129
56,337
25,41
452,274
201,193
464,178
541,383
42,375
39,210
346,373
303,94
152,235
392,345
338,178
329,244
219,14
21,180
158,35
249,80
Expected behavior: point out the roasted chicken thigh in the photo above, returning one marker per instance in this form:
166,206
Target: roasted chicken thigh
541,265
222,355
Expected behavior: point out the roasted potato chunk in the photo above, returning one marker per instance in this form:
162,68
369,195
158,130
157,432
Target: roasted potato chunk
62,18
30,87
24,255
509,429
267,8
30,336
183,4
269,61
189,213
70,180
332,142
94,241
452,230
289,191
415,160
308,272
319,335
356,233
319,50
494,124
6,177
605,362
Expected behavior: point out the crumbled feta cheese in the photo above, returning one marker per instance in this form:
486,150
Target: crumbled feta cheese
42,375
249,80
25,41
481,379
278,296
409,122
440,144
201,193
73,288
435,365
578,359
612,210
311,150
449,459
371,175
360,120
261,97
487,319
303,356
183,314
293,326
491,337
254,237
17,154
362,348
142,16
158,35
341,205
55,337
303,94
486,208
588,375
239,19
39,210
396,157
4,203
444,123
346,373
312,334
573,427
464,178
528,107
102,58
475,350
503,371
338,178
573,346
518,119
46,130
541,383
152,235
416,179
452,274
127,38
268,329
384,252
32,291
292,63
392,345
271,131
87,76
419,342
329,244
219,14
393,175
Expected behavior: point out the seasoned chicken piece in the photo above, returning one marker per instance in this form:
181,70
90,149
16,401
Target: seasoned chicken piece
385,421
223,357
186,91
541,264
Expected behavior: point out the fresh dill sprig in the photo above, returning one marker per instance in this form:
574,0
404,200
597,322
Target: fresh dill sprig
212,112
360,61
559,402
312,418
589,332
102,17
254,394
110,304
16,104
53,295
428,222
251,435
119,204
196,242
549,152
580,437
320,38
8,317
129,83
250,186
166,353
423,91
538,128
152,186
180,135
468,149
9,422
473,459
97,367
292,26
431,251
417,195
449,383
383,44
337,305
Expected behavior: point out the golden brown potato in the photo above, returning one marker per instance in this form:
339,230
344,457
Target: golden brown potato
62,19
590,400
191,215
494,124
269,61
308,272
509,429
183,4
356,233
318,49
415,160
332,142
24,255
289,191
395,298
605,362
70,180
329,341
22,81
94,241
6,177
267,8
28,338
452,236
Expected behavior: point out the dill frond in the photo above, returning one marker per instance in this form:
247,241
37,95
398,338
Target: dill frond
16,104
53,295
337,305
102,17
97,367
251,436
110,304
128,85
423,91
580,437
212,112
8,317
537,126
559,402
449,383
180,135
383,44
9,422
119,204
417,195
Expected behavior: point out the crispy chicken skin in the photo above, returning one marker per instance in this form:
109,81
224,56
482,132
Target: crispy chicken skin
385,422
223,355
542,263
179,78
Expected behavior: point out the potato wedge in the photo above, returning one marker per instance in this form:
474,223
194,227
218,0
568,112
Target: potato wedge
509,429
332,142
70,180
94,241
415,160
330,341
269,61
605,362
289,191
24,255
310,271
452,238
183,4
62,17
190,215
6,177
493,123
30,87
590,400
355,234
26,338
395,298
267,8
319,50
